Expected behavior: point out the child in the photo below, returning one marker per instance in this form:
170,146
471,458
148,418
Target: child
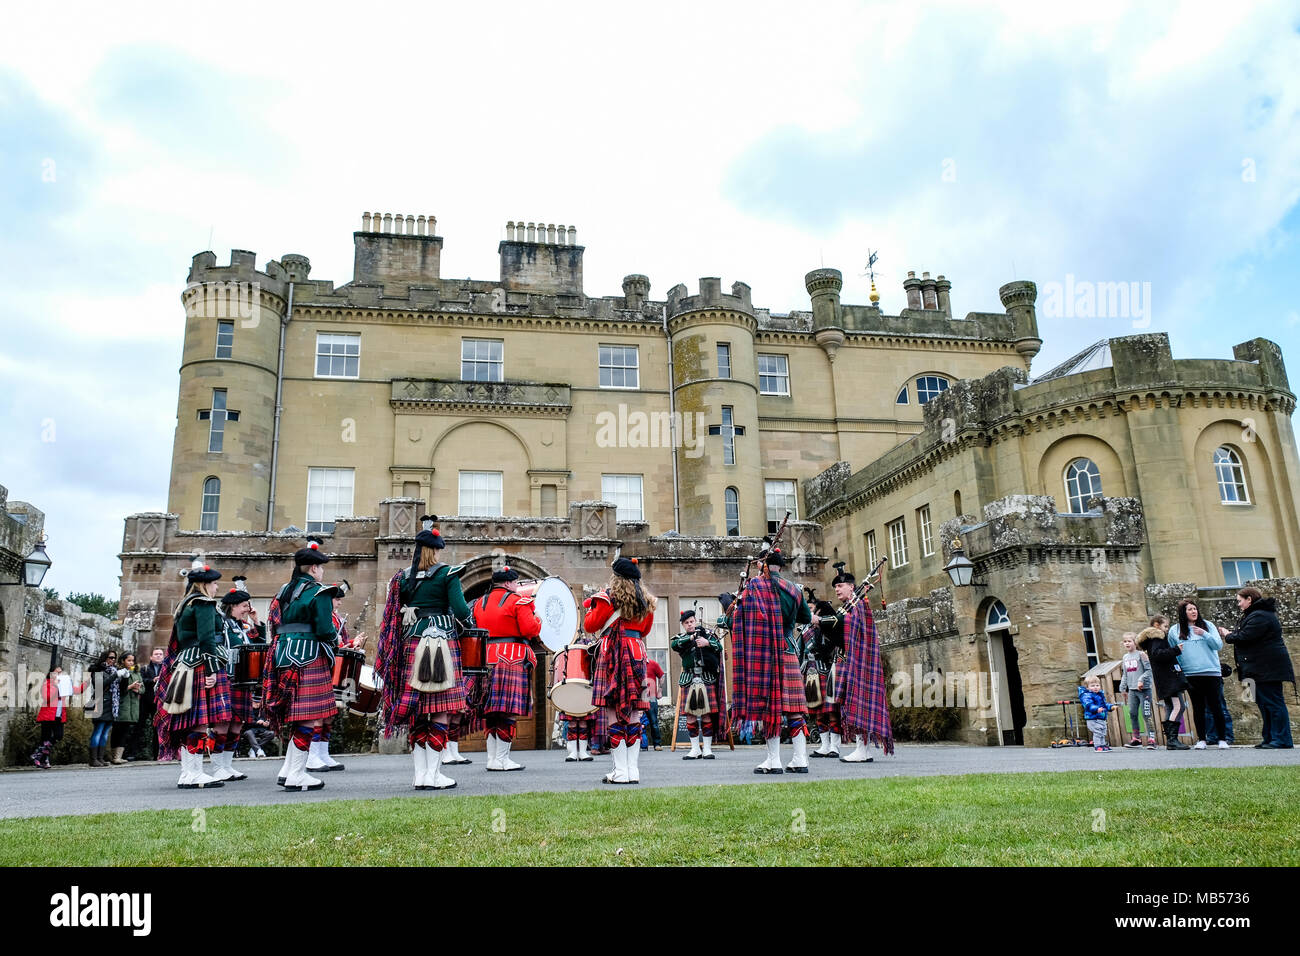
1095,709
1136,685
1167,679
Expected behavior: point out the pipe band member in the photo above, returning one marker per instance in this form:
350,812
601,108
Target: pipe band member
701,653
302,697
824,661
622,614
513,628
236,632
193,689
419,656
766,649
860,683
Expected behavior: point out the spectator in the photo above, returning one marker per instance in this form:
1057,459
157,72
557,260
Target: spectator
1170,682
654,679
103,712
147,739
1136,685
128,710
51,717
1095,710
1262,657
1200,643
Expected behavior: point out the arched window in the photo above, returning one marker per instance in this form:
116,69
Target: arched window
1232,477
211,504
1082,481
733,510
997,618
928,386
902,396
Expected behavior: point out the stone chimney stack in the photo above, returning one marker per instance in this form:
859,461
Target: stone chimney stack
943,287
636,289
929,297
396,249
912,286
541,257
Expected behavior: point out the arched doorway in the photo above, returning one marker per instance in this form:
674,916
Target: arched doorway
1004,670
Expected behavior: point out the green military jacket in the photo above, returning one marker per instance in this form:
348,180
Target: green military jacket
684,644
438,590
794,611
306,627
196,634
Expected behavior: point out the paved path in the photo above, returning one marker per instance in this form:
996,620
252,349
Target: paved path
80,790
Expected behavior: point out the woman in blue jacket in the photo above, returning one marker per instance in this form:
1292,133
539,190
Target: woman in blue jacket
1201,643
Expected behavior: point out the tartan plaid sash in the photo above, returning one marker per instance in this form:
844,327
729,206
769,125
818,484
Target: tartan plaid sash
864,706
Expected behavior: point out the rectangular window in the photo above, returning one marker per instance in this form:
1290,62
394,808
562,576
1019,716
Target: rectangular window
618,366
338,355
872,555
773,375
728,436
217,422
724,360
1089,612
225,339
1237,571
329,496
624,491
482,360
923,526
779,497
549,495
897,543
480,494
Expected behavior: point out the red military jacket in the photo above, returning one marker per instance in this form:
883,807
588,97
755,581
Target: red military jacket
506,614
600,610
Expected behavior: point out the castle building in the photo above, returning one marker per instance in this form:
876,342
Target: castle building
558,430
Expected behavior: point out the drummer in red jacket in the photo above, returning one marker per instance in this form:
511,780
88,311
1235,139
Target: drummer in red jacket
624,612
513,628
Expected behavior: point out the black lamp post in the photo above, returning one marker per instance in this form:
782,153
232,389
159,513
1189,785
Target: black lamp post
34,568
961,571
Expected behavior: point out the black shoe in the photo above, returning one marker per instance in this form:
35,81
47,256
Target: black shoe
1274,745
796,769
1260,746
570,759
690,757
707,756
768,770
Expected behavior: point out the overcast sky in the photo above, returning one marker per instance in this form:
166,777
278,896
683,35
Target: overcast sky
749,141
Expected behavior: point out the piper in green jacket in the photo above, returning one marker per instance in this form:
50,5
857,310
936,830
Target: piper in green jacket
701,653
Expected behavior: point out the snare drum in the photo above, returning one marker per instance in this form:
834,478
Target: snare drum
249,664
572,692
473,649
347,669
370,688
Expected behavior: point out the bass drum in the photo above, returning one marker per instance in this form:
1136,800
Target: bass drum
558,611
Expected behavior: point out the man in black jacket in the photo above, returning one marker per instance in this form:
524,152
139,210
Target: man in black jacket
143,741
1262,658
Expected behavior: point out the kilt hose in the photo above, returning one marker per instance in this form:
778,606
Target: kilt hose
414,705
211,706
510,690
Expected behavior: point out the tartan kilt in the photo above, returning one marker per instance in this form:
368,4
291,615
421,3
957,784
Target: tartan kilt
510,690
413,704
602,687
792,695
314,699
715,698
242,708
211,705
830,703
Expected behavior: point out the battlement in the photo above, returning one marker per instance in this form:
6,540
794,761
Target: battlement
242,268
1035,521
710,297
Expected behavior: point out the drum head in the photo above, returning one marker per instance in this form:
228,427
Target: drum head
369,679
573,697
558,612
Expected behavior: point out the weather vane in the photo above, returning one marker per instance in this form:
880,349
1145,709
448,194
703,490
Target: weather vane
871,265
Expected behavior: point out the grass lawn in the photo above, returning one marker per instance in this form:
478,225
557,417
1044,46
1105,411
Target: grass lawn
1213,817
